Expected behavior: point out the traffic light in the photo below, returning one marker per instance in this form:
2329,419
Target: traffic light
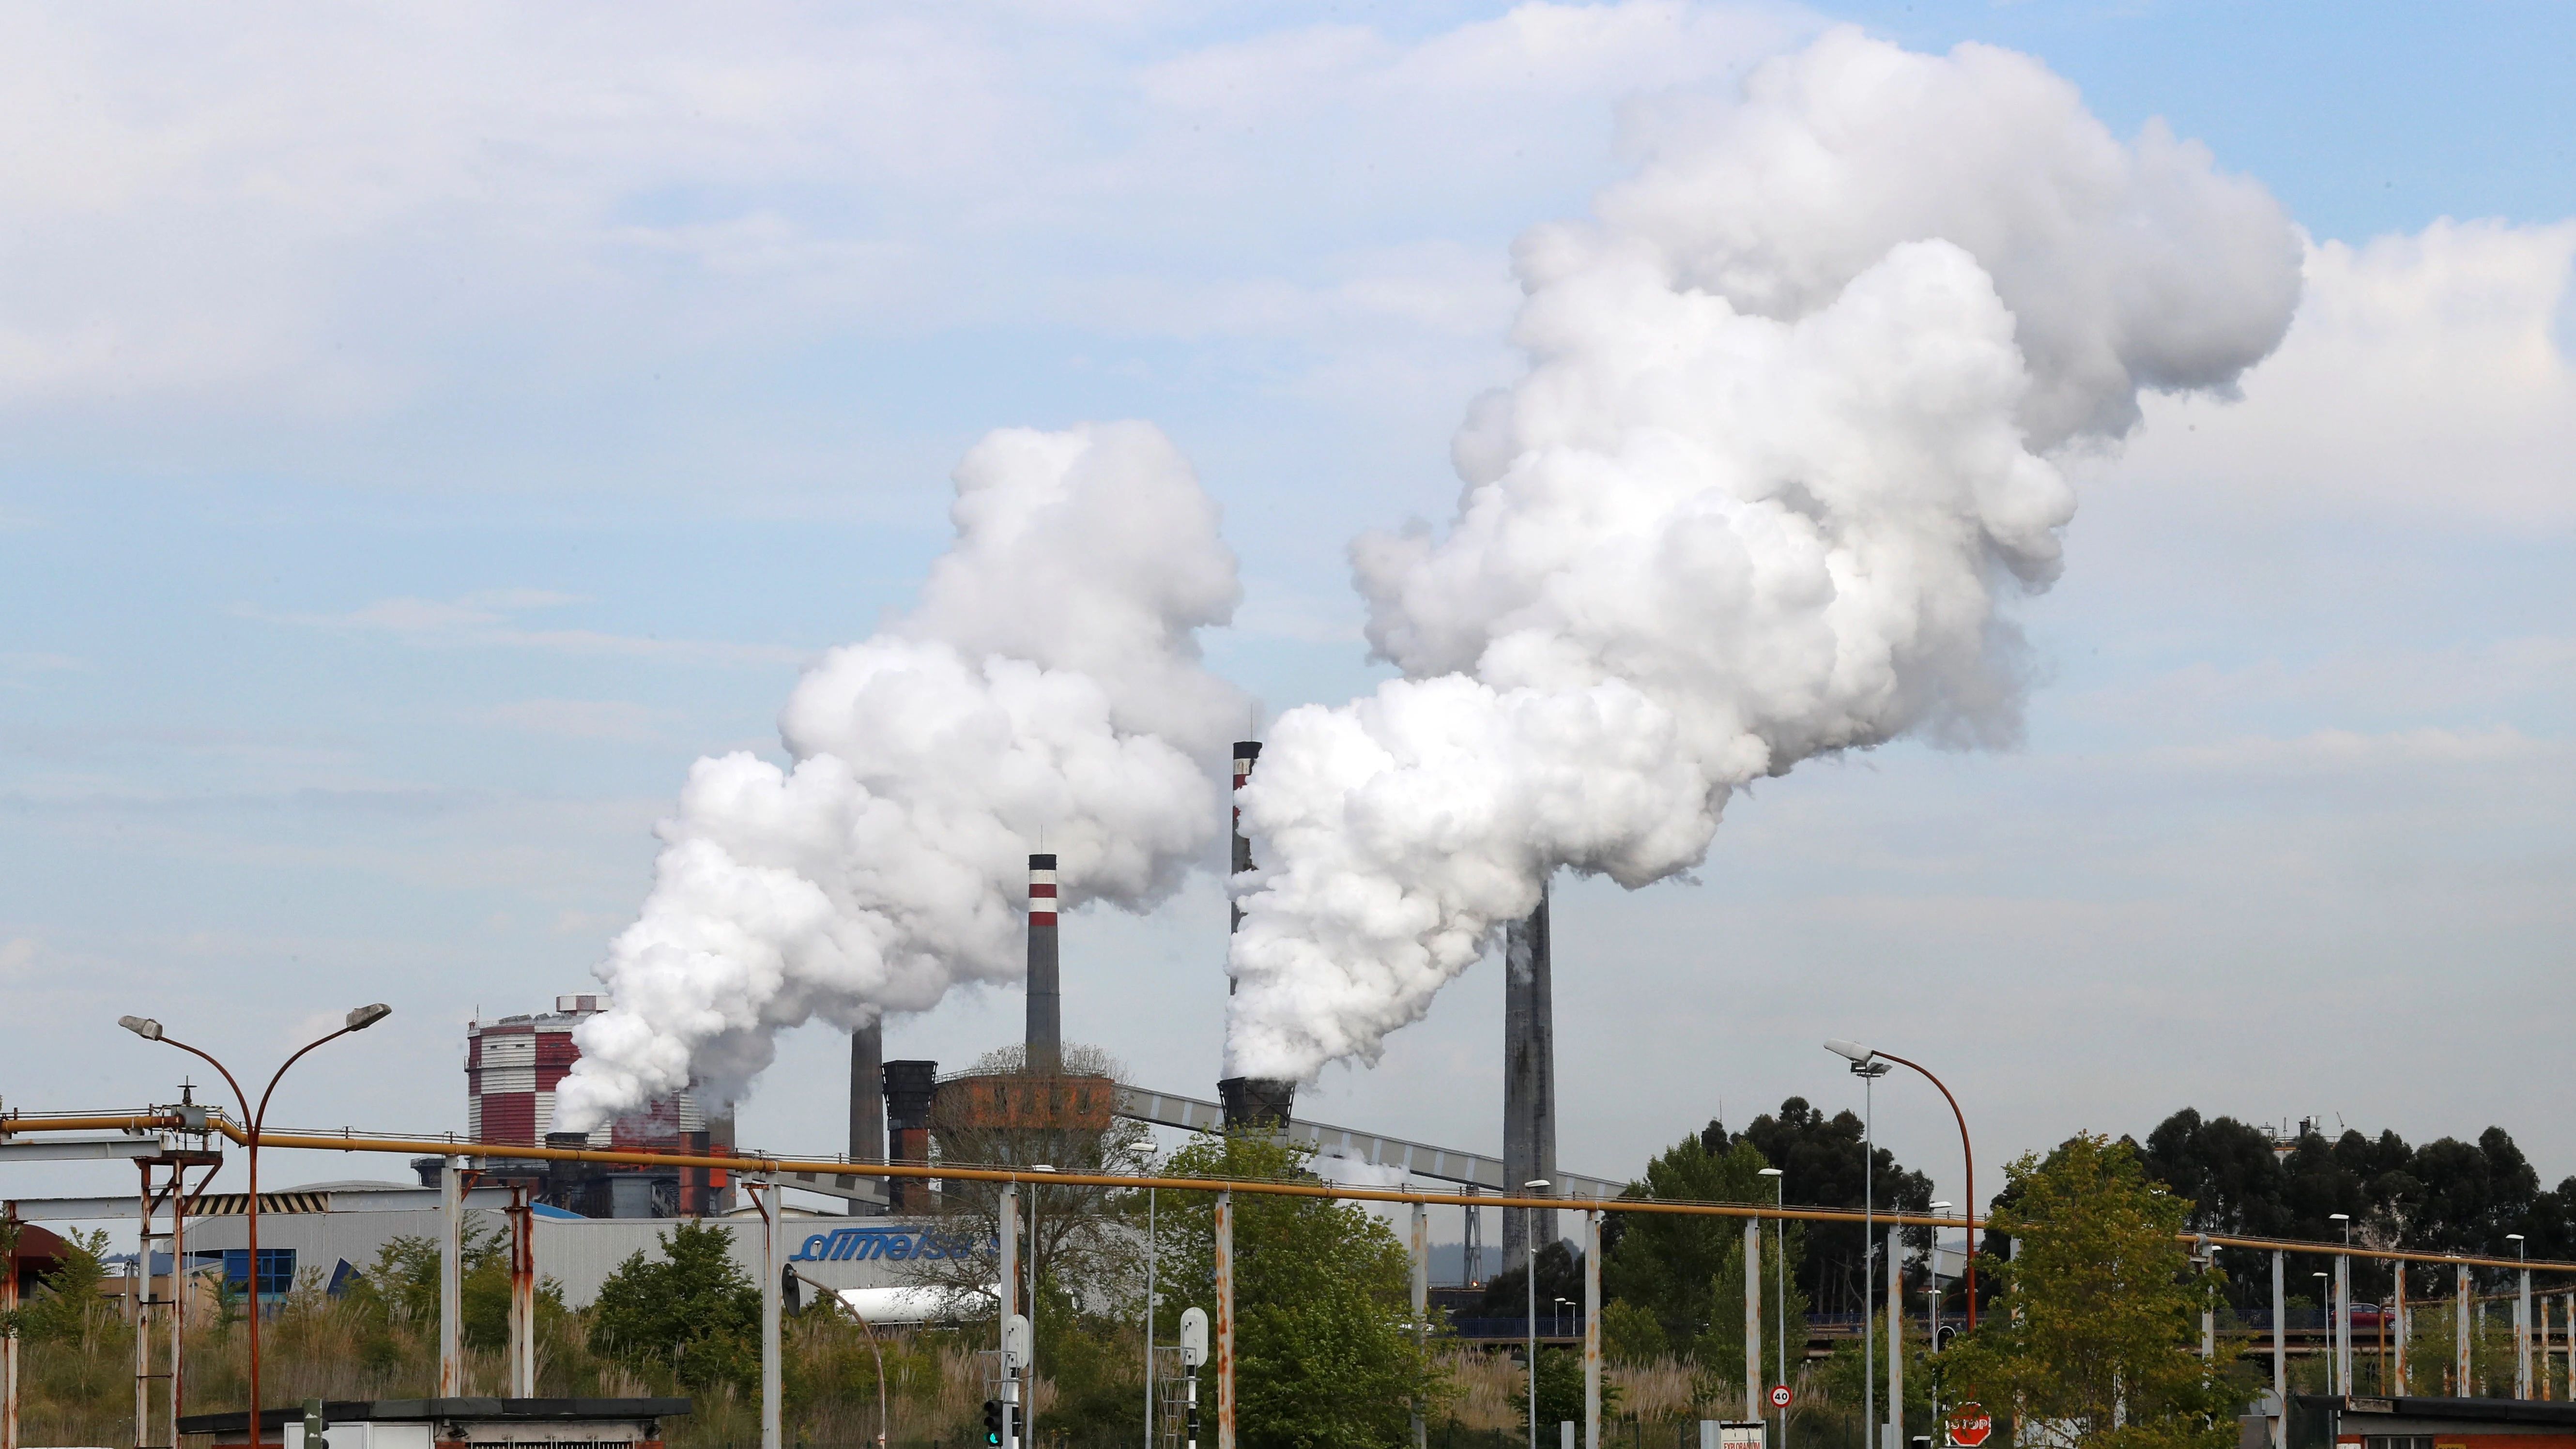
993,1421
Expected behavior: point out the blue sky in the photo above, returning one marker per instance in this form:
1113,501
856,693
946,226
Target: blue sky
423,433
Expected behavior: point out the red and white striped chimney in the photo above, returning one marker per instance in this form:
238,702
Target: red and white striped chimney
1045,1048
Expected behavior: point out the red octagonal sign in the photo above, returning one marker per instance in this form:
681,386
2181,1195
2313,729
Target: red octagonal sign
1969,1426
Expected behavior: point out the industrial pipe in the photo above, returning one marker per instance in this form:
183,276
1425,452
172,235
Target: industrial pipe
349,1140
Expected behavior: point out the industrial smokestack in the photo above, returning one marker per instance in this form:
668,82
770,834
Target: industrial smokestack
1246,754
1250,1101
1256,1101
1046,999
1529,1080
909,1088
867,1094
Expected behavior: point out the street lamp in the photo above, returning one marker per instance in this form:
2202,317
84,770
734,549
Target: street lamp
2522,1325
1556,1317
1860,1056
145,1027
1780,1240
1529,1269
1869,1072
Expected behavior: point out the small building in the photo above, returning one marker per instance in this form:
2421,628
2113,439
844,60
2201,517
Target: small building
2326,1421
455,1424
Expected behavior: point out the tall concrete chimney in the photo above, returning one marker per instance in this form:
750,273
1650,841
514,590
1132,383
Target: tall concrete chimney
1529,1081
867,1095
1250,1101
1046,999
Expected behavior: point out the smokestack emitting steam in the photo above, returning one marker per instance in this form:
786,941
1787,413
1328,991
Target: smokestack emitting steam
1250,1101
1048,679
1045,1055
867,1094
1785,442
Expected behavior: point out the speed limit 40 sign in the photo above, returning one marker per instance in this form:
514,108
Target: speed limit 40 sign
1779,1396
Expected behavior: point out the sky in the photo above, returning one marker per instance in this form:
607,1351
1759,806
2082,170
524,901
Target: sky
424,431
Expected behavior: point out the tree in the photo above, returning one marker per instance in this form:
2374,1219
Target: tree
1631,1336
1560,1392
2444,1196
1086,1243
695,1311
1326,1355
1665,1262
2094,1339
1720,1347
1825,1159
1560,1275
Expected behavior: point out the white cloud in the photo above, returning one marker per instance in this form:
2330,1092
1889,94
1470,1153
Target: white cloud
479,621
2426,377
276,212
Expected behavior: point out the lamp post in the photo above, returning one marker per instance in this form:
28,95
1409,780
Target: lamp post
2325,1295
1860,1056
1780,1241
2342,1339
2522,1323
145,1027
1869,1072
1529,1270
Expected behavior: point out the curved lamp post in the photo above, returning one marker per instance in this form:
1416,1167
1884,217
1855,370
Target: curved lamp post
1860,1057
150,1030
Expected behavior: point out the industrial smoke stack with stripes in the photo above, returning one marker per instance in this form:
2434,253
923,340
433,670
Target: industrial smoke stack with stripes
1046,996
1251,1101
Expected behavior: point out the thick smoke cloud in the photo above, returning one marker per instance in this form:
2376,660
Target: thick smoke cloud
1048,681
1783,449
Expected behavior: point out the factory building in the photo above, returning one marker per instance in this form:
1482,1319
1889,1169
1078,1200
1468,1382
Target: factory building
512,1067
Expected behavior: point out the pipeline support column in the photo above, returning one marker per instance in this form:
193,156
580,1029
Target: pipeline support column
1421,1306
2280,1352
2460,1387
523,1294
451,1283
1753,1318
1225,1320
1895,1339
1592,1329
773,1263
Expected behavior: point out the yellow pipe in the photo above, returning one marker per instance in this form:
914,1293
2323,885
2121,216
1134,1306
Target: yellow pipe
350,1141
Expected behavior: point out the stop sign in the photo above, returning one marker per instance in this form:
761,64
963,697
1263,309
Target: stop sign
1969,1426
1779,1396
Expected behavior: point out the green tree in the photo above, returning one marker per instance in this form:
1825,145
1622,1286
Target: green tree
1665,1262
694,1311
2093,1339
1631,1336
1720,1347
1560,1393
1325,1350
68,1304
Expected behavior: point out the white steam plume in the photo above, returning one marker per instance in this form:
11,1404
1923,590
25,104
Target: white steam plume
1048,680
1783,445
